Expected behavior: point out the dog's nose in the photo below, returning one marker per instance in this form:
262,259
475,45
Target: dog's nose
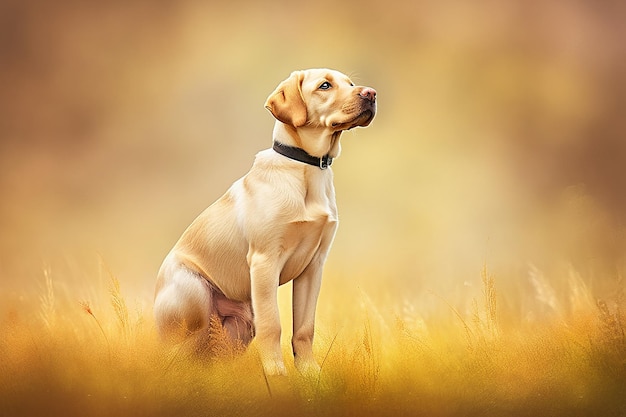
368,93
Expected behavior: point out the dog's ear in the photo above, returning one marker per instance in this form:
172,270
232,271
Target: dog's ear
286,102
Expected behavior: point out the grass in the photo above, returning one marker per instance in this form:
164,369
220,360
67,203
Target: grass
69,357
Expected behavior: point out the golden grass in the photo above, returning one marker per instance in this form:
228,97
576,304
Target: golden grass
67,357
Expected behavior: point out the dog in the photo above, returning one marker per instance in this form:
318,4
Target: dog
274,225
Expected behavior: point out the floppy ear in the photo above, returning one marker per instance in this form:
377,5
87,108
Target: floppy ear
286,103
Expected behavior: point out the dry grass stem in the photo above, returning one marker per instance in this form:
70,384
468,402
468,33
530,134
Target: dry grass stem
47,300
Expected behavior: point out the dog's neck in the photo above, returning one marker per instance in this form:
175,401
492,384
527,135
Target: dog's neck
316,141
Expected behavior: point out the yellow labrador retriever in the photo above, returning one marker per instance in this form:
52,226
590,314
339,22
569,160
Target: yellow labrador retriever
274,225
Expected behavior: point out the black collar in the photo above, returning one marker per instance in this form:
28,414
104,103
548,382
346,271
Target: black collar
299,154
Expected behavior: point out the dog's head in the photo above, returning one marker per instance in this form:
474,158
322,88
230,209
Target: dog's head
322,98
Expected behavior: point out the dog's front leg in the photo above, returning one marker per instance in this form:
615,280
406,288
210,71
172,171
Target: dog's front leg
264,276
306,289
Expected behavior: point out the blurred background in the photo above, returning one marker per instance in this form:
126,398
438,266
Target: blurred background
499,140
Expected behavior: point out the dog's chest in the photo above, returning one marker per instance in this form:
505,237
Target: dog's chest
310,236
309,242
319,201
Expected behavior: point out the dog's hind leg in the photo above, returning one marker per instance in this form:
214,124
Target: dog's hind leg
183,304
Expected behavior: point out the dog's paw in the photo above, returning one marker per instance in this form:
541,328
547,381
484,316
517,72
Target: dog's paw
308,367
274,367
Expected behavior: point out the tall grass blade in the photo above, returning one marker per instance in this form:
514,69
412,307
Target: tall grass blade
47,300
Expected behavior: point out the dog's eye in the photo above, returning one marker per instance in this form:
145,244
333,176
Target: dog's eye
325,85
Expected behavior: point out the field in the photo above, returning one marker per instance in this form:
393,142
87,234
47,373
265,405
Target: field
478,269
65,356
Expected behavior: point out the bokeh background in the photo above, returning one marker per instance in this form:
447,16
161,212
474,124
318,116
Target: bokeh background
500,140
